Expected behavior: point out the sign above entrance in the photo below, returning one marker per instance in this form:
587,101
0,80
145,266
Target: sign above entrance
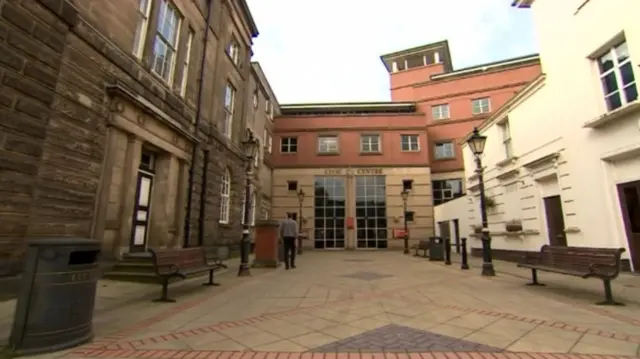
351,171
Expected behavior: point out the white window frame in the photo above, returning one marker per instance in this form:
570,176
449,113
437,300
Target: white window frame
256,159
615,69
412,141
449,152
506,138
255,99
170,44
440,112
370,143
481,105
269,143
229,108
233,50
185,65
324,147
143,12
286,142
225,196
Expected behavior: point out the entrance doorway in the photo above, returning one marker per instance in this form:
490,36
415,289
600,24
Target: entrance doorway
330,212
555,221
456,233
141,211
371,212
445,229
629,194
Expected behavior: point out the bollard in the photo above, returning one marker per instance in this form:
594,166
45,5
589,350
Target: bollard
464,264
447,251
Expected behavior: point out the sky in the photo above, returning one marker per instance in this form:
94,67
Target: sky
329,50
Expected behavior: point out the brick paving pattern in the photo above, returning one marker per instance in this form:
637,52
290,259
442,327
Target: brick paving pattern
367,276
398,338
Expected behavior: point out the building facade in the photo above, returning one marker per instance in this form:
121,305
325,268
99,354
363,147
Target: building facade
119,124
352,161
453,102
562,157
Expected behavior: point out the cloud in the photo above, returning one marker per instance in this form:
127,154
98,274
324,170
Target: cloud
329,51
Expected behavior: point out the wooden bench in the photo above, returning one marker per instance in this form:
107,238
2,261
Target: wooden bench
583,262
182,262
423,246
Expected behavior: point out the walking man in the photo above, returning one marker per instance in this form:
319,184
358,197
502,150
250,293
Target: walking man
288,232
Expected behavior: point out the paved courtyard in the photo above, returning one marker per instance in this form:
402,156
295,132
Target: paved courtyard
377,305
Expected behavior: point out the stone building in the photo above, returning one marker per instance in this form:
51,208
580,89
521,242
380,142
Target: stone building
110,124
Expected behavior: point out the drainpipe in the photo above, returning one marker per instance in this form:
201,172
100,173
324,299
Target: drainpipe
194,152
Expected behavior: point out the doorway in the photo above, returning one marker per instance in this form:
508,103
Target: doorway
445,229
330,213
629,194
371,212
555,221
141,211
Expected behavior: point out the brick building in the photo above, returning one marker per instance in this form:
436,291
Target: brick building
354,160
106,108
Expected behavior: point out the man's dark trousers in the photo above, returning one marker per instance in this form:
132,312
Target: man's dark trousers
289,246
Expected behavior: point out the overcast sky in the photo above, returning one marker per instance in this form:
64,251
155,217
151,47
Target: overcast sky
329,50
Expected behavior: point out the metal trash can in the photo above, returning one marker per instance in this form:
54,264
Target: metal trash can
436,249
57,295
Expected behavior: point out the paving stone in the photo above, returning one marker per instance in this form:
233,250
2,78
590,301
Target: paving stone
368,276
358,260
393,337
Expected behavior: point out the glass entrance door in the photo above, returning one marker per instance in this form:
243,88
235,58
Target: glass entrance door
329,219
371,212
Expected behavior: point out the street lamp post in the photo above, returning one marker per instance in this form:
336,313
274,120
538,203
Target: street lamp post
250,147
476,143
405,197
300,200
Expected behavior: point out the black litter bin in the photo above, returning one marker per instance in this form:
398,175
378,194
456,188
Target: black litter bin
436,249
57,295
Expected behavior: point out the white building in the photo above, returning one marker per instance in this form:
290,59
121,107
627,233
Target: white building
563,156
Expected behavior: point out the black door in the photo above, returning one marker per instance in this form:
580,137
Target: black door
555,221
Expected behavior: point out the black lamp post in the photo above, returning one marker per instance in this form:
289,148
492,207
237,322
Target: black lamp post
405,197
300,200
476,143
250,147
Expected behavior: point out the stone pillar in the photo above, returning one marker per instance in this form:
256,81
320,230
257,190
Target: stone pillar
266,245
181,204
162,193
128,190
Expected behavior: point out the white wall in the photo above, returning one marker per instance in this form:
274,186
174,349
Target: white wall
550,119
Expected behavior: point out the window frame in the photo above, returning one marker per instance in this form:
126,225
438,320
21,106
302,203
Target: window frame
438,115
186,62
617,73
479,100
142,28
441,198
507,144
289,145
229,108
409,143
233,51
158,36
328,151
441,143
225,196
378,143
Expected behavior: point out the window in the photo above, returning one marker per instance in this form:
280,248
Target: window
444,150
440,112
506,139
233,50
409,215
370,143
185,65
616,75
328,144
225,196
407,185
267,104
166,43
409,143
292,185
481,105
446,190
289,145
144,9
229,104
255,99
256,159
269,143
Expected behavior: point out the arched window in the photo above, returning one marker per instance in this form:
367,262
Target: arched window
225,196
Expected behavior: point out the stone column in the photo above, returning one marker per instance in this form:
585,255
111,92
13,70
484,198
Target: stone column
181,203
266,245
128,190
102,203
162,195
